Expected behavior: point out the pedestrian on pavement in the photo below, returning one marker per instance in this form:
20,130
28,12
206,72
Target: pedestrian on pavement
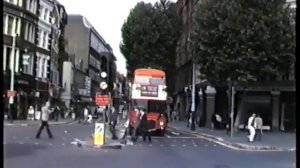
113,115
251,128
56,112
85,114
258,124
31,113
45,111
144,125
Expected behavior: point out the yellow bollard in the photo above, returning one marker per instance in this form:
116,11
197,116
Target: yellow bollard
99,135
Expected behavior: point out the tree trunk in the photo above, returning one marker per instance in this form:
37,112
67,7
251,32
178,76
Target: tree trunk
240,111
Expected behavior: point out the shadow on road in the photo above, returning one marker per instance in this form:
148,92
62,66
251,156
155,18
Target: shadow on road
15,150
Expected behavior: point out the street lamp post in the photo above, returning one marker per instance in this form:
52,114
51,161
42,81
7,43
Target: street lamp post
232,110
193,106
12,76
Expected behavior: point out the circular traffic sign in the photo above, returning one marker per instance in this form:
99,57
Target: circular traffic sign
103,85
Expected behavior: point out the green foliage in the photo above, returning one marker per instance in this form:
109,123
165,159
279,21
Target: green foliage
149,36
243,40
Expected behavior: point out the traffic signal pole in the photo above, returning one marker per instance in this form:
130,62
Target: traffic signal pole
12,77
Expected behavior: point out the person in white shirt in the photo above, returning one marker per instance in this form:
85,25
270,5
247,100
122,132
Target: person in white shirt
44,118
251,128
31,113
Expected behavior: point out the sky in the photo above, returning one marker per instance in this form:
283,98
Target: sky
107,17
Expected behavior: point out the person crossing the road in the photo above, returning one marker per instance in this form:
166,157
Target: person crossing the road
144,125
44,120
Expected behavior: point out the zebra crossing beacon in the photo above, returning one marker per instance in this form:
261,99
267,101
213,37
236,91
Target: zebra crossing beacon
149,91
102,99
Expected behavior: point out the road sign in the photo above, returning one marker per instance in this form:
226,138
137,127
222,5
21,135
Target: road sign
99,134
11,93
102,100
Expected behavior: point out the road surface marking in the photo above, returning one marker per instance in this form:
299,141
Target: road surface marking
195,145
63,144
161,145
184,145
36,143
215,145
21,143
168,136
50,144
173,145
175,133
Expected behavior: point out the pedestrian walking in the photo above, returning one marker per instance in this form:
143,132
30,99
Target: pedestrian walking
258,124
56,112
251,128
144,125
136,126
85,114
30,113
126,125
45,111
113,115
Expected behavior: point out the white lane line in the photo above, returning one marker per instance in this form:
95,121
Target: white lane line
173,145
21,143
36,143
195,145
184,145
175,133
168,136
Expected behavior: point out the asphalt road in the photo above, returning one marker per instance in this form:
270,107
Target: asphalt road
176,150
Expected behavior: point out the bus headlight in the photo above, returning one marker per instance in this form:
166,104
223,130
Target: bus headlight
161,123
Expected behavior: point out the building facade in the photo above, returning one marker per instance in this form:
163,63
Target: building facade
30,21
90,55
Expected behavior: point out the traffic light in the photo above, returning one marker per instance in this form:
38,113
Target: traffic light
103,83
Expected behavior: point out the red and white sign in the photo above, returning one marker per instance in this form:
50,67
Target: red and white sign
102,100
11,93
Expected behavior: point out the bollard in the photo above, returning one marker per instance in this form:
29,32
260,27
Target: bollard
99,134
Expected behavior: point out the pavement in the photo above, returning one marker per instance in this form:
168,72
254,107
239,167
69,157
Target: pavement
271,141
37,122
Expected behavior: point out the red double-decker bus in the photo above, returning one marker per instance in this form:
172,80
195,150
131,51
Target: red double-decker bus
148,90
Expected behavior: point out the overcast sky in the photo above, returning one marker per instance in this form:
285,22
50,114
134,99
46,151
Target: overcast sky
107,17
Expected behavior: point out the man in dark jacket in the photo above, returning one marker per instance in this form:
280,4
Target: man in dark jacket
113,115
144,125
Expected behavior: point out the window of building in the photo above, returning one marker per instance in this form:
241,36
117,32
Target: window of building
5,58
7,54
45,14
10,25
45,68
42,11
28,63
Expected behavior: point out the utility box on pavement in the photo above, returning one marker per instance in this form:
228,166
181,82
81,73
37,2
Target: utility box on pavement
99,134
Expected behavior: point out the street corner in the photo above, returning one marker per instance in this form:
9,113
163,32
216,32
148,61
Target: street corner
247,147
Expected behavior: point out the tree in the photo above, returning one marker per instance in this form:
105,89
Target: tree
149,36
243,40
